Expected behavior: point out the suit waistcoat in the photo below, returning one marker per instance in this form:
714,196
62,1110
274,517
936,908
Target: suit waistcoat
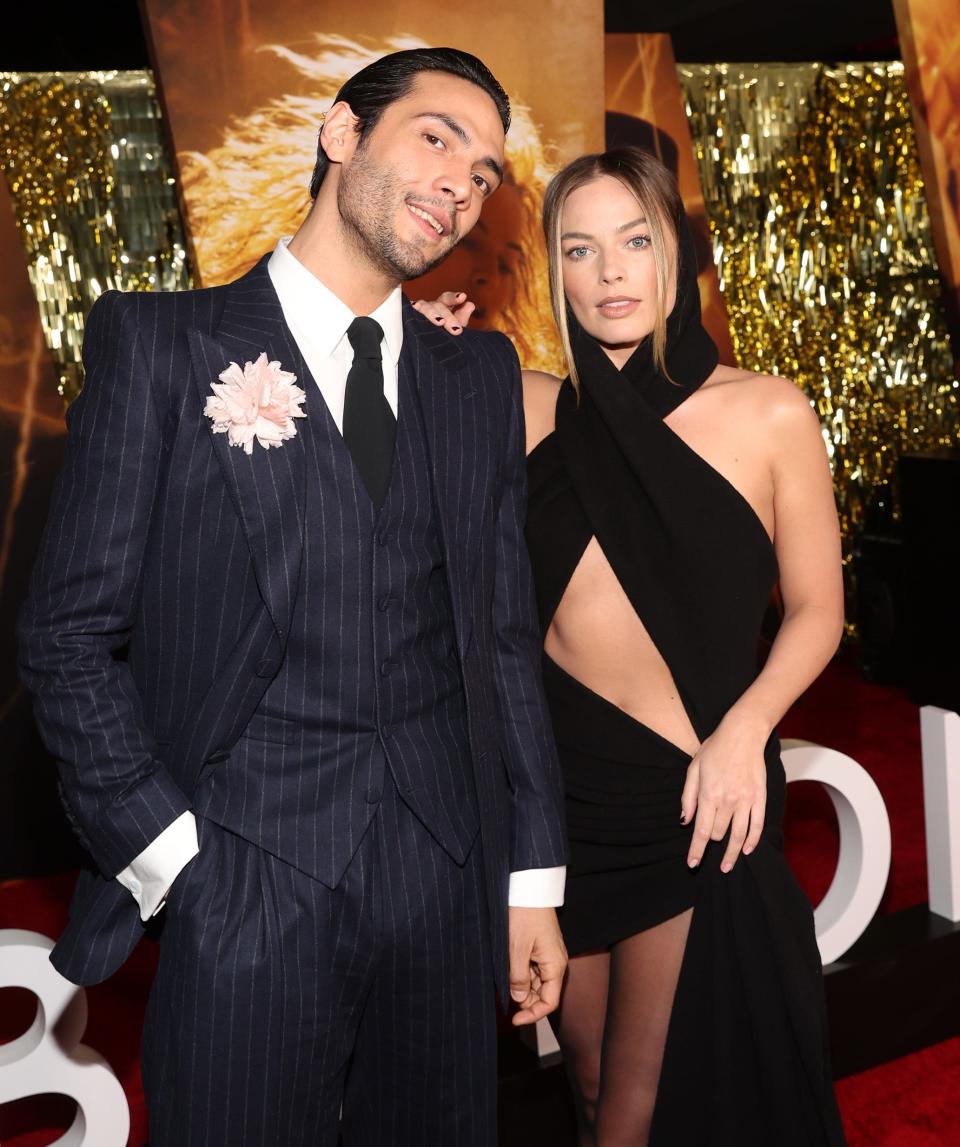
370,682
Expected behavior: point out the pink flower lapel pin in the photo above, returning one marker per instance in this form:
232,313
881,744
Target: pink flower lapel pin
258,402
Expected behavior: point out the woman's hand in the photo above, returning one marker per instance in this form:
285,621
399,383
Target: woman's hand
451,311
727,789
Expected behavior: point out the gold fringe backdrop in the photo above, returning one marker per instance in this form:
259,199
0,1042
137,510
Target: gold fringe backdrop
811,179
94,195
822,239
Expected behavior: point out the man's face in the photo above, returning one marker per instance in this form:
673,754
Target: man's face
415,185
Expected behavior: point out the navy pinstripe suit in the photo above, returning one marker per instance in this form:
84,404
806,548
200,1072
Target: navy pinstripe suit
350,702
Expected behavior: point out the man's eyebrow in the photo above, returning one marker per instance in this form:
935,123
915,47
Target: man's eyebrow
464,137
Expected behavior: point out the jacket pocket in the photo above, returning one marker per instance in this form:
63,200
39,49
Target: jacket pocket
263,727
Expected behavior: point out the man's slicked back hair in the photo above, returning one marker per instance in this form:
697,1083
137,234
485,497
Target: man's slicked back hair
390,78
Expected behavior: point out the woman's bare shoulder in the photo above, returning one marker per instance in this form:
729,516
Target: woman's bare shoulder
542,384
767,401
540,392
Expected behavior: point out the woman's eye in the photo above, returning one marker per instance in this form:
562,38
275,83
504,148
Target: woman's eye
577,252
638,242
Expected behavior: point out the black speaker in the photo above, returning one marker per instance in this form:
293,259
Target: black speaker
880,579
930,517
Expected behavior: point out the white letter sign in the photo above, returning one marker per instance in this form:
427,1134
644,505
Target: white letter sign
49,1056
940,740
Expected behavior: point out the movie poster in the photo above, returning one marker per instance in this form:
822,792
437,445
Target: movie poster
645,106
930,44
32,435
31,412
244,85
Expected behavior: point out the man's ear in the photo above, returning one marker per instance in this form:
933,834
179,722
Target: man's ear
340,133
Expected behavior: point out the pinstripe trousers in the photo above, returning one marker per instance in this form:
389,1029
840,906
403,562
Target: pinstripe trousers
277,998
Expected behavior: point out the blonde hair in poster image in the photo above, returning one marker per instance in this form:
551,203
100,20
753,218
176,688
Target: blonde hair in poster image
930,38
252,187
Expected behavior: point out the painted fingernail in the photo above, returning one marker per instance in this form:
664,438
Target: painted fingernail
726,866
438,318
694,863
456,328
683,818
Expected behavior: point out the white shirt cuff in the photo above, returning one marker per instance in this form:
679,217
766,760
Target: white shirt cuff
537,887
148,877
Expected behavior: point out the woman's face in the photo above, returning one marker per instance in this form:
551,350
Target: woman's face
609,271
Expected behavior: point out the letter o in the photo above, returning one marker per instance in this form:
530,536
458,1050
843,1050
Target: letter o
864,862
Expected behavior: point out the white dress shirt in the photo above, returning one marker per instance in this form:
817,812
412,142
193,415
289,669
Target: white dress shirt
318,321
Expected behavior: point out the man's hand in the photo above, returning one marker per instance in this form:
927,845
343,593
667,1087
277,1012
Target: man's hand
538,960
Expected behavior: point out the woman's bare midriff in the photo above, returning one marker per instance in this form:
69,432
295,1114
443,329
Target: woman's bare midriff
597,638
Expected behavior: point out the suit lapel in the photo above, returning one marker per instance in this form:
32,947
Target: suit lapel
435,363
267,486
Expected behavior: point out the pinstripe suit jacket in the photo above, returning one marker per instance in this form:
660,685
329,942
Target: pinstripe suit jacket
136,617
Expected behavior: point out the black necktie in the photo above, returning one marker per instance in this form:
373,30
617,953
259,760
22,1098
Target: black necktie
369,427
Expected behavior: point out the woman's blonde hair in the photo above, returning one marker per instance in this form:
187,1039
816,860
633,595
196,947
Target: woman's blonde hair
655,189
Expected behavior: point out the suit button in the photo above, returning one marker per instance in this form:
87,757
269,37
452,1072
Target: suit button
373,794
267,667
387,667
385,602
382,538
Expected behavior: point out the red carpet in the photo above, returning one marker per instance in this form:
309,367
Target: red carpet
909,1102
879,727
913,1102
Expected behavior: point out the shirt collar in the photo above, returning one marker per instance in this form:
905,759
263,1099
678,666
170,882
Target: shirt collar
312,307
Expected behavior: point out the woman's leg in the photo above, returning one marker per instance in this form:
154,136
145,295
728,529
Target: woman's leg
578,1024
643,974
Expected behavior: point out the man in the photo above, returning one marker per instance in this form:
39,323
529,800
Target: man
282,639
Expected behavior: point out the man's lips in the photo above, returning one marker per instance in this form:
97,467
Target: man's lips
433,218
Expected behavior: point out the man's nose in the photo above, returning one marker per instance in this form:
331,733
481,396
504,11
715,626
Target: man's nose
455,182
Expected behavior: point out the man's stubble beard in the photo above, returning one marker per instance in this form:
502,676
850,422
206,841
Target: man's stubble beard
365,192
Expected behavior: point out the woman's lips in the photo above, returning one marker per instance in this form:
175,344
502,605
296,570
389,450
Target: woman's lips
617,308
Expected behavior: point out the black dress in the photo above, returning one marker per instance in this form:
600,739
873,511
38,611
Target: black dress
746,1059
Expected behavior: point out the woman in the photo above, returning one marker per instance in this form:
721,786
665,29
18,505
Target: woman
668,494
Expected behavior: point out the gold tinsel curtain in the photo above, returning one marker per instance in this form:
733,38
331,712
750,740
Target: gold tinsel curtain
822,238
94,194
811,180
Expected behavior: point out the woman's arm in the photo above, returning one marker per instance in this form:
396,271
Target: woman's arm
726,783
539,405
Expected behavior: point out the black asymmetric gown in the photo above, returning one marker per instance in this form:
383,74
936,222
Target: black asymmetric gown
746,1058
